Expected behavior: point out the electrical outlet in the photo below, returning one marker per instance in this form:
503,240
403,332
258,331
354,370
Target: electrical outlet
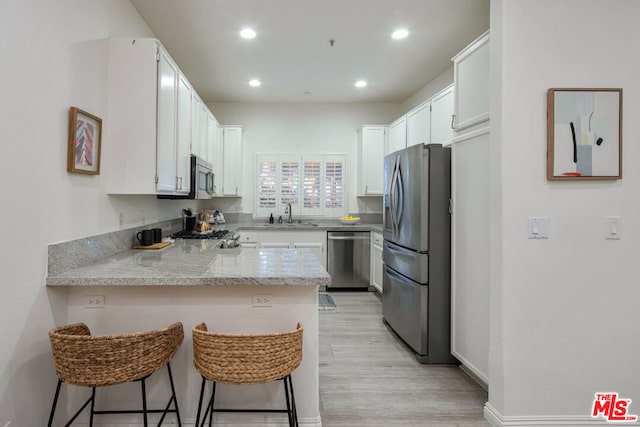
262,300
94,301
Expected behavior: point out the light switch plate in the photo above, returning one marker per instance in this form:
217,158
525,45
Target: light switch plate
612,227
538,227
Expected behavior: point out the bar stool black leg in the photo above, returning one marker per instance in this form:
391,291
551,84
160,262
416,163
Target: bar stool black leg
173,393
204,381
293,403
286,396
213,399
144,402
93,407
55,402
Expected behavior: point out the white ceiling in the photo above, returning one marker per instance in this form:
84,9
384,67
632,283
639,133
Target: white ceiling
291,54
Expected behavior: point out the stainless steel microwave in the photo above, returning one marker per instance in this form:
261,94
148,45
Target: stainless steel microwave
202,181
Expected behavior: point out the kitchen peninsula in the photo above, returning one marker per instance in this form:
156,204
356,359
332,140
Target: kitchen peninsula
193,281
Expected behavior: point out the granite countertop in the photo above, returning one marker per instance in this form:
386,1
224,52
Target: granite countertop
198,262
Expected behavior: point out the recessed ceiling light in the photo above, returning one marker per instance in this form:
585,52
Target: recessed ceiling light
254,82
399,34
360,83
247,33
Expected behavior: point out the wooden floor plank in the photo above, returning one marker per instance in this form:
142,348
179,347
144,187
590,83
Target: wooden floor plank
369,377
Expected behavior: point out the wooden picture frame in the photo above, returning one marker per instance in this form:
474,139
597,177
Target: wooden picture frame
584,134
85,142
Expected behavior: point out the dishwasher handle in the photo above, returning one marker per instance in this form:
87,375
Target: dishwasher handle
357,237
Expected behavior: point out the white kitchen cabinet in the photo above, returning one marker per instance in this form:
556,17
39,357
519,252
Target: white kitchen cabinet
441,117
371,141
248,239
376,261
149,120
419,125
216,157
231,161
204,128
397,135
470,194
471,80
314,240
183,136
196,104
166,136
174,129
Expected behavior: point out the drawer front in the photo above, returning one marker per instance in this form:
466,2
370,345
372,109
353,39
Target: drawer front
377,238
248,237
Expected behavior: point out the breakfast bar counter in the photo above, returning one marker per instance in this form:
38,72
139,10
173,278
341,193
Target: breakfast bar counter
241,290
200,263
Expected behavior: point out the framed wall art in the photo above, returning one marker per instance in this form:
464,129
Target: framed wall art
584,134
85,140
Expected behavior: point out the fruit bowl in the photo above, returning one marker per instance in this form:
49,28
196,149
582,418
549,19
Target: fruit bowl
349,220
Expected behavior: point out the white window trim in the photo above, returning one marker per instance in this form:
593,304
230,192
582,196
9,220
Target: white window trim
298,210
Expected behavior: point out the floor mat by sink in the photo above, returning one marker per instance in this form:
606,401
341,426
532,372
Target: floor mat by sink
326,302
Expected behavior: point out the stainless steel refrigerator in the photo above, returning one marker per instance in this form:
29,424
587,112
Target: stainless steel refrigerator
416,296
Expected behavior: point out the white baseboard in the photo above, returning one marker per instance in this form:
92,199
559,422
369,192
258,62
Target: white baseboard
221,420
470,369
496,419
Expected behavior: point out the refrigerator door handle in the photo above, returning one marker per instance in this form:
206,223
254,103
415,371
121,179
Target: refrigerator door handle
393,196
400,197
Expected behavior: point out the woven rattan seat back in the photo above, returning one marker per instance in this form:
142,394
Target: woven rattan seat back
94,361
246,359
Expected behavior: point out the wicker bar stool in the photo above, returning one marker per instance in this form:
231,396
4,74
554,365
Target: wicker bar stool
246,359
96,361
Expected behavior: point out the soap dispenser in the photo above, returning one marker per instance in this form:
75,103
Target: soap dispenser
271,219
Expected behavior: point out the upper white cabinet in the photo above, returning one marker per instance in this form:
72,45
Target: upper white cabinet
471,76
428,123
183,136
214,135
419,125
167,180
150,124
397,135
441,117
231,161
371,142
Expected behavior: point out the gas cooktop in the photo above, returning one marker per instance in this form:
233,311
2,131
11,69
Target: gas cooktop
216,234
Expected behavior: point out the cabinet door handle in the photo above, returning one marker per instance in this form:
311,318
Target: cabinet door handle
453,119
366,189
177,186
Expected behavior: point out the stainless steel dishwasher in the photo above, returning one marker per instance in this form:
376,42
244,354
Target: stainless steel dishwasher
349,259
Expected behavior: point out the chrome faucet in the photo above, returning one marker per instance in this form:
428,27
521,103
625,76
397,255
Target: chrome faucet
288,210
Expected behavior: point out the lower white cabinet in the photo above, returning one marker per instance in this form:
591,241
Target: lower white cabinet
376,261
314,240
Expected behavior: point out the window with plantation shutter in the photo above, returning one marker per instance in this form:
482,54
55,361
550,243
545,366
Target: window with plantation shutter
267,184
312,187
313,184
289,183
334,185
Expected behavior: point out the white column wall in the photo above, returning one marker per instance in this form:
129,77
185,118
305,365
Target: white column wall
565,310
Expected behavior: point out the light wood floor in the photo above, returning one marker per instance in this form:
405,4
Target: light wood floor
368,377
